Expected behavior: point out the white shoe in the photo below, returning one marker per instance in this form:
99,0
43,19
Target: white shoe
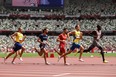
91,56
105,61
59,57
20,59
13,63
67,64
4,60
81,60
47,63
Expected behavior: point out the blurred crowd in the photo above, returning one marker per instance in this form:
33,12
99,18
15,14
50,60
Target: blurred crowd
56,25
73,7
91,7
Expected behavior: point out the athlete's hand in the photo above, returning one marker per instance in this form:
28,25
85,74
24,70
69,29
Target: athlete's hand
77,37
64,41
24,36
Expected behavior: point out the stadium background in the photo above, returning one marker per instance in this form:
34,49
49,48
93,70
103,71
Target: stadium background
87,13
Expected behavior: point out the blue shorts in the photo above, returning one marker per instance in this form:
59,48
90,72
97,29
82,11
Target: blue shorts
42,46
17,46
74,46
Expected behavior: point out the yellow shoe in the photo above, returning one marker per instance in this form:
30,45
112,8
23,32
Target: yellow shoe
105,61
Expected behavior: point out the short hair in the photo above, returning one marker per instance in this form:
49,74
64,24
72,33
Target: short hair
76,25
98,27
44,29
64,29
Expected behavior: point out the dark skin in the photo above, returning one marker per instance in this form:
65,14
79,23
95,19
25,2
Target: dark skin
15,52
43,51
59,40
81,47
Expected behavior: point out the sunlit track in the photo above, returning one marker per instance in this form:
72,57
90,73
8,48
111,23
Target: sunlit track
77,69
61,64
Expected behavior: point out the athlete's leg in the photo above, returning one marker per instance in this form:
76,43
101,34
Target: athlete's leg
57,52
66,53
62,52
22,51
40,52
45,56
14,57
90,48
102,52
10,54
81,52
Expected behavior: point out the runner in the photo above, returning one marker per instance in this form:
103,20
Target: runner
18,38
76,42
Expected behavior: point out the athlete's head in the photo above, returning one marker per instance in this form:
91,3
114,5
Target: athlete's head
98,27
19,29
65,30
45,30
77,27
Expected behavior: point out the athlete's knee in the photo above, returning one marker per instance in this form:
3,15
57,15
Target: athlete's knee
16,53
101,48
23,48
13,52
69,51
82,48
102,52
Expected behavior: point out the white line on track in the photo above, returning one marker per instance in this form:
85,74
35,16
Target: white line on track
62,74
27,75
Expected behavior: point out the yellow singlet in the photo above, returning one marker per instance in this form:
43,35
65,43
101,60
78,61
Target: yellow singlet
19,37
77,36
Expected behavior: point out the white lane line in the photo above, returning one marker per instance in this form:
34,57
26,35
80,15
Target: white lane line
26,72
27,75
63,74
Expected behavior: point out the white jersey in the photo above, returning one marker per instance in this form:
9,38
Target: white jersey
98,34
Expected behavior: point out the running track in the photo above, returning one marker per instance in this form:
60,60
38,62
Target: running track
35,67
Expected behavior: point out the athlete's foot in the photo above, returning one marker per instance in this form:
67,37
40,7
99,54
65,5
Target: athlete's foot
91,56
20,59
47,63
66,64
55,49
4,60
81,60
39,52
13,62
35,49
59,57
105,61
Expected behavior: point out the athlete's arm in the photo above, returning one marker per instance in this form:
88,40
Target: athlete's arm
58,39
39,40
101,35
81,35
13,35
70,33
23,38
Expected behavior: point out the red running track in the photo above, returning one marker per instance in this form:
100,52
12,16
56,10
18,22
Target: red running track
35,67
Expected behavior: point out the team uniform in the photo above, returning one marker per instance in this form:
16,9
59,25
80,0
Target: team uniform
62,45
43,38
18,41
76,41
